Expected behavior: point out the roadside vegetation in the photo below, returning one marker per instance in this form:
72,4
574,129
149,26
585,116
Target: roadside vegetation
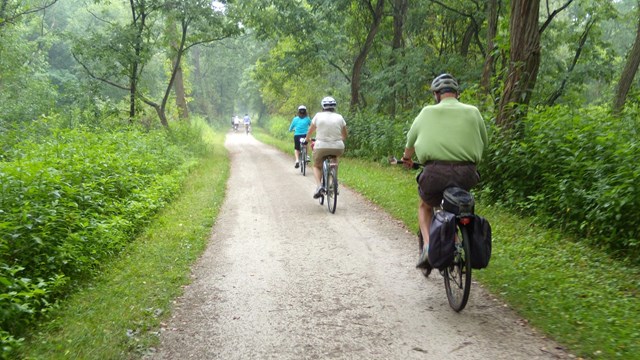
582,295
117,314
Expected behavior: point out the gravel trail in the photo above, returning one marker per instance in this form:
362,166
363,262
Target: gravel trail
282,278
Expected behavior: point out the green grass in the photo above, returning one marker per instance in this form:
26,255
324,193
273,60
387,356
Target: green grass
576,294
119,314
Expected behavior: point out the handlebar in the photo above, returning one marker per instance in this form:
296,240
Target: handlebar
394,161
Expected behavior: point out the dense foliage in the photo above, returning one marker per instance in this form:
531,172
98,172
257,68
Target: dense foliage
575,168
71,199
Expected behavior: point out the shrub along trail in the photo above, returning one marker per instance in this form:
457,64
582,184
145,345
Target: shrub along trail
283,278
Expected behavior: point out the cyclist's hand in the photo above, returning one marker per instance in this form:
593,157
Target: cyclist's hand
408,163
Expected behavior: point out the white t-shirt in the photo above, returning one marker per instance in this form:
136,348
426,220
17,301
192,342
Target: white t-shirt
329,130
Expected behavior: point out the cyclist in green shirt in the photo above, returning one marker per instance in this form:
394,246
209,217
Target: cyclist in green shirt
449,138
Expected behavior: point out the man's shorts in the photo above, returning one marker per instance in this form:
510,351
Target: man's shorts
436,176
296,141
319,155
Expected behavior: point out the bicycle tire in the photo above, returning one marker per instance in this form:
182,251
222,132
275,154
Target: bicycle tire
457,277
303,161
332,190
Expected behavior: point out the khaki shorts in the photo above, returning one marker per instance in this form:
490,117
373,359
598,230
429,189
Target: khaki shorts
437,176
320,154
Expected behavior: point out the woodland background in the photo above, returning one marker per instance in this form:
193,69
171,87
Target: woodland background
99,102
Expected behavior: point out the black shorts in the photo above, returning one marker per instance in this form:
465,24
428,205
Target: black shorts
435,177
296,141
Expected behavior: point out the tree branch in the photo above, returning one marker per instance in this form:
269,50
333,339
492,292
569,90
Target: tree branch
553,14
93,76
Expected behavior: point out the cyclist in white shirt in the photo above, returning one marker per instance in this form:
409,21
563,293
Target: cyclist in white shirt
331,131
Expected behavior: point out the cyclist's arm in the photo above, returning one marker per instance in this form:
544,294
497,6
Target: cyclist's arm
406,157
344,133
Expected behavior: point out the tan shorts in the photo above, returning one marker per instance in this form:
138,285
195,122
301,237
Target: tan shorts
320,154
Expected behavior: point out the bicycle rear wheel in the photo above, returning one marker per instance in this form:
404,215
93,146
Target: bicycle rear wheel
457,277
332,189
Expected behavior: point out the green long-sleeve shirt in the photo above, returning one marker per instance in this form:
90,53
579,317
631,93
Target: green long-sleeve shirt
448,131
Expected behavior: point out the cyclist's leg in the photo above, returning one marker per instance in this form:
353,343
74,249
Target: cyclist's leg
318,157
431,184
296,147
425,214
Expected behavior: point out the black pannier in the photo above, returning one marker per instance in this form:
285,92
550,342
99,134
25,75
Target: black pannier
480,242
441,239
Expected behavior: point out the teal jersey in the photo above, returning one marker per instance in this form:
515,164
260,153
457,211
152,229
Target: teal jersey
300,125
448,131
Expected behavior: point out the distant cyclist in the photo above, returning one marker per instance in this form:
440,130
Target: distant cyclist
449,139
331,132
236,123
299,126
247,122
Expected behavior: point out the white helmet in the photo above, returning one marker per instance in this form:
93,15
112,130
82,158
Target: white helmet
328,103
302,107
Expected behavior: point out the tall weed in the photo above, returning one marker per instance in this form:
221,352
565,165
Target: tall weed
70,199
575,168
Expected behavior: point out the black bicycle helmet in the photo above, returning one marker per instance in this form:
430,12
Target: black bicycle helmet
444,83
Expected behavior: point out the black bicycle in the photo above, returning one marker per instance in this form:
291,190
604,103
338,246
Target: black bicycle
457,275
330,182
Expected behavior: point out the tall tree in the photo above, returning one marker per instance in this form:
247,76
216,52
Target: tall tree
116,53
583,39
524,60
629,72
492,30
377,14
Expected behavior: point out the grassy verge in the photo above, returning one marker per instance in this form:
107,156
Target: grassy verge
575,294
116,316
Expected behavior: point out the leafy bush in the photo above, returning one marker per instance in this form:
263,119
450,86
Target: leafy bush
70,199
278,126
374,136
573,168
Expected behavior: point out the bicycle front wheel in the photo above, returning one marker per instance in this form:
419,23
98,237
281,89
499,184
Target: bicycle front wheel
303,161
332,190
457,277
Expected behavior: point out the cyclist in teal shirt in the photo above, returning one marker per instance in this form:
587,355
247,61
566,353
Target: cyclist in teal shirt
299,125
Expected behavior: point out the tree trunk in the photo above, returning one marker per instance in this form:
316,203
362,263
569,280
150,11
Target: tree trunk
358,64
466,39
492,30
397,45
629,72
181,99
178,84
524,63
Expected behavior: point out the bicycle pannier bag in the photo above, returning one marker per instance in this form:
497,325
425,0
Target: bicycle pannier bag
480,243
458,201
442,239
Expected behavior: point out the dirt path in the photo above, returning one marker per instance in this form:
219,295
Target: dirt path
283,278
